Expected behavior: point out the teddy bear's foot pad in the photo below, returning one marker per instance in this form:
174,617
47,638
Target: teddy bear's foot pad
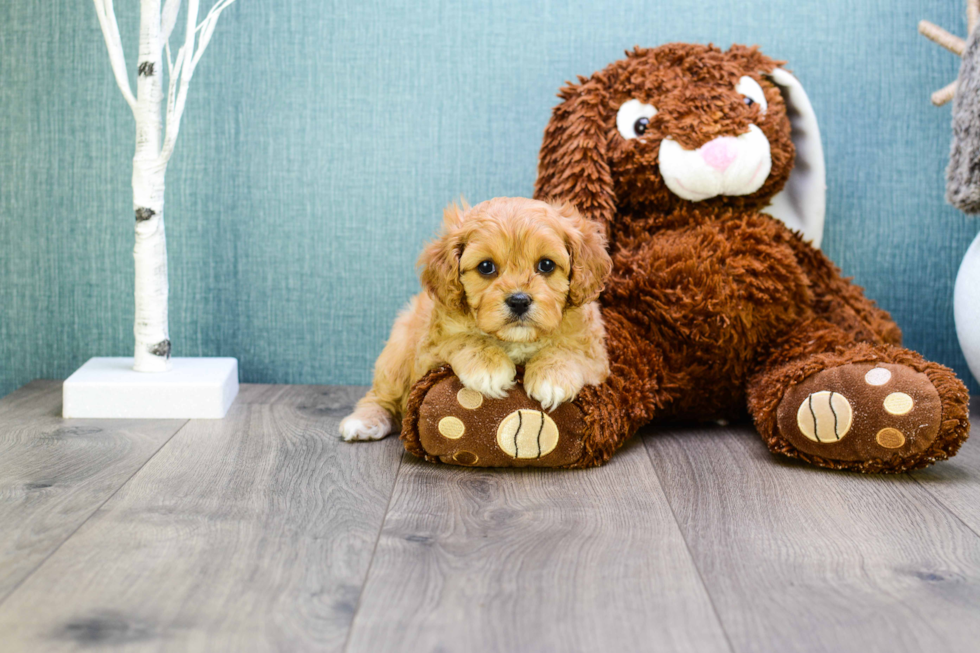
860,412
459,426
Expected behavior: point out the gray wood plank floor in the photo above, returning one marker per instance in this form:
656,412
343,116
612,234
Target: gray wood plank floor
54,472
801,559
263,531
533,560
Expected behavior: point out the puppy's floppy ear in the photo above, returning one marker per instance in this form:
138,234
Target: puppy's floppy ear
573,165
439,261
591,265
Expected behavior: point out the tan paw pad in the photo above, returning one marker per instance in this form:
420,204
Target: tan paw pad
527,434
878,376
824,416
466,458
898,403
888,411
890,438
469,399
452,428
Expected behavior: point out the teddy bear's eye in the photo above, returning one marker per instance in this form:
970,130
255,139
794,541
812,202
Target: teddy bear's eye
753,93
546,266
486,268
633,118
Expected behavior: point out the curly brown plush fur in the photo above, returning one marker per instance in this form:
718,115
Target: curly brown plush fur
713,307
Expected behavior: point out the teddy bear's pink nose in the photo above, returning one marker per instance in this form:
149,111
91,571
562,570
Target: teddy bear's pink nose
720,152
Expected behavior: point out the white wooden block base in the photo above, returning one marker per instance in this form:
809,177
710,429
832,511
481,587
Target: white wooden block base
195,388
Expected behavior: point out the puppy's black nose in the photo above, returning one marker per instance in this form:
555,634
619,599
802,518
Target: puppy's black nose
518,303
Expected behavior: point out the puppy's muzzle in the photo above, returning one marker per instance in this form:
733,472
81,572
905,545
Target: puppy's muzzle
519,303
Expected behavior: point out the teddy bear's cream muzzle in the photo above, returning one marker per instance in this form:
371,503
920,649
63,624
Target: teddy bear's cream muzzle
727,165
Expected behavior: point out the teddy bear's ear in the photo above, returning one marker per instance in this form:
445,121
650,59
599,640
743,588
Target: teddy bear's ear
803,201
572,165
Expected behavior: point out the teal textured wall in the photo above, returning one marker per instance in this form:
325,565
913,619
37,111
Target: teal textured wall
322,139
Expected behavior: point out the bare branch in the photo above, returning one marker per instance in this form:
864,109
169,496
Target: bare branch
187,59
172,89
168,19
117,58
207,27
937,34
177,93
944,95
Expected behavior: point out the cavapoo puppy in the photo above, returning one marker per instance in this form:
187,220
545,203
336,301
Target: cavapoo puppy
510,281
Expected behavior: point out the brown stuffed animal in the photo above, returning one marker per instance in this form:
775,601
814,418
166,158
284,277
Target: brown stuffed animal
713,307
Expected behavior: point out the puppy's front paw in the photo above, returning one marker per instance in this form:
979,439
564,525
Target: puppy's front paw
552,386
367,424
493,382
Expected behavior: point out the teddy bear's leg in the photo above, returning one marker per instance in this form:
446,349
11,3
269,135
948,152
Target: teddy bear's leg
837,403
445,422
838,301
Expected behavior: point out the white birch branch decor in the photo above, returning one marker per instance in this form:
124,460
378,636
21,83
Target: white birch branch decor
154,146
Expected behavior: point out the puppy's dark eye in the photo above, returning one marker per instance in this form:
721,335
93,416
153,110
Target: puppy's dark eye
640,126
748,101
486,268
546,265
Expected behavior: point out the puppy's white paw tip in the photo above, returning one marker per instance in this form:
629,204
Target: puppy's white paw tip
492,385
499,392
550,395
356,430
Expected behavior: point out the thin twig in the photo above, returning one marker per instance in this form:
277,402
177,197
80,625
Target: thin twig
169,18
117,57
188,57
944,95
937,34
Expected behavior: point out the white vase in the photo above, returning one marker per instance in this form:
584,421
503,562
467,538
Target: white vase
966,307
